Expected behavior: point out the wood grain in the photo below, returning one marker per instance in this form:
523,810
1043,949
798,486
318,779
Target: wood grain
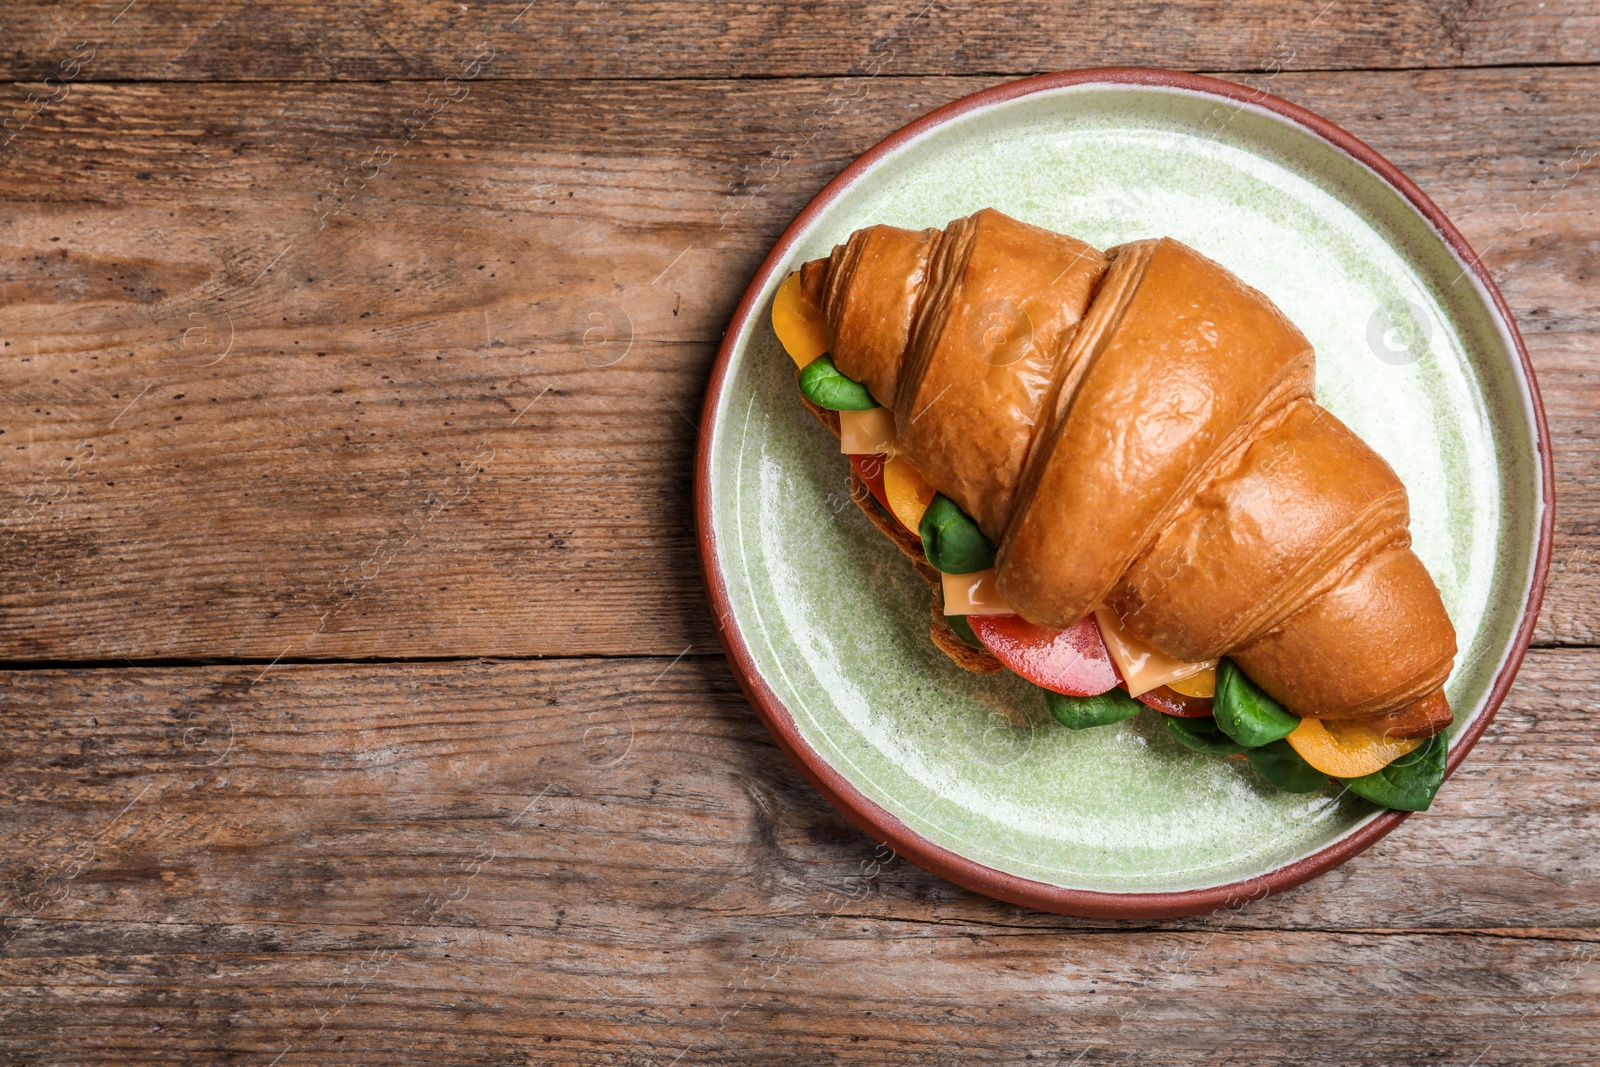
308,353
585,861
345,40
267,396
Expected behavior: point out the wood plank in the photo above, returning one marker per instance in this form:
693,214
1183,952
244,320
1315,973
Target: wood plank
345,40
445,405
346,774
847,993
581,861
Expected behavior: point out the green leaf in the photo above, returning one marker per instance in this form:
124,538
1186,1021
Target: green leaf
963,630
1283,767
952,541
823,385
1245,712
1202,735
1081,713
1410,782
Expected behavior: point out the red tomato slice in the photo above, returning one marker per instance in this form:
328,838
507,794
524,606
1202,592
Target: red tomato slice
1073,661
1169,701
871,470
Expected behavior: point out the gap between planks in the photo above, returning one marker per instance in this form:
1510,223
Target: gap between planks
1573,935
828,76
24,666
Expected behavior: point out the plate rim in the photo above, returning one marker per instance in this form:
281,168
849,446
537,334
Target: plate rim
886,828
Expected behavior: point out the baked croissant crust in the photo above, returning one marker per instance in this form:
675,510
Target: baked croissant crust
1137,429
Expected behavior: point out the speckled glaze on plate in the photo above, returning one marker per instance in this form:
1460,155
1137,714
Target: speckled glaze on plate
826,624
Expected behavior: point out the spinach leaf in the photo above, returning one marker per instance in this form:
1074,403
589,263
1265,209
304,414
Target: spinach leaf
1283,767
952,541
1245,712
1202,735
823,385
1410,782
1080,713
963,630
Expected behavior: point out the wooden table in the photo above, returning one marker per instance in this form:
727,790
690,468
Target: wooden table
361,703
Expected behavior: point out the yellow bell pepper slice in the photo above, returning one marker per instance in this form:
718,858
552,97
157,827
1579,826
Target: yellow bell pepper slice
1203,684
798,322
1347,748
908,492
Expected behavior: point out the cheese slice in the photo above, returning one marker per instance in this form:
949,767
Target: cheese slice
974,594
866,433
1142,667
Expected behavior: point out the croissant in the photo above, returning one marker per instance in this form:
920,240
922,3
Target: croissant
1136,432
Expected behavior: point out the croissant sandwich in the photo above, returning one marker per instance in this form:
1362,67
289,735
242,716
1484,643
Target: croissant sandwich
1112,470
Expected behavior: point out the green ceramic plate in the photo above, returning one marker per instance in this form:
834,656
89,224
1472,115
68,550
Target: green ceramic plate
827,625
